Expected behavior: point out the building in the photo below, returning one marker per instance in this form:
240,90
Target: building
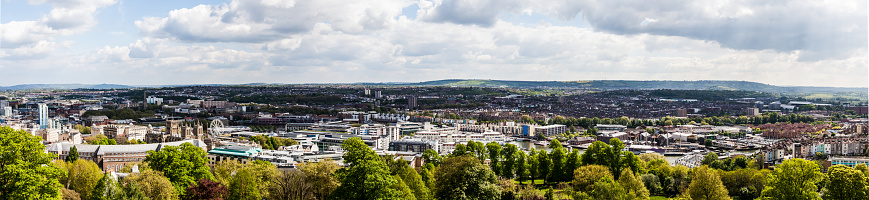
43,116
177,131
610,128
6,111
751,111
414,145
850,162
681,112
548,130
378,94
154,100
96,120
606,137
131,132
114,157
242,154
412,102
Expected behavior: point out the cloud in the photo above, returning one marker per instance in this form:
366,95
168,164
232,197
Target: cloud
263,21
819,29
34,39
482,12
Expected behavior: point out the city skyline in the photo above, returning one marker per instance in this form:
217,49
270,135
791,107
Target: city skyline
237,42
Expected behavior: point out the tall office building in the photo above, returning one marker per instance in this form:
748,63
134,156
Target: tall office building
43,116
378,94
6,111
412,102
4,103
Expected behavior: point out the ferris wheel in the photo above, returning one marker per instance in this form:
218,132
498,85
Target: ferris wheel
215,129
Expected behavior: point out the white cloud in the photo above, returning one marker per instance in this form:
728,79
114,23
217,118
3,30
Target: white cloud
263,21
35,39
362,41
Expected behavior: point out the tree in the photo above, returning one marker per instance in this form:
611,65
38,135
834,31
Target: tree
651,182
615,156
793,179
153,184
705,185
205,189
708,142
570,165
522,166
26,171
596,154
183,165
244,185
431,156
494,155
846,183
83,176
584,177
321,176
414,182
291,184
72,155
366,176
509,165
557,156
107,188
544,165
465,178
633,186
606,188
709,158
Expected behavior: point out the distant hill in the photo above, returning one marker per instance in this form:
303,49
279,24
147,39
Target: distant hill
65,86
641,85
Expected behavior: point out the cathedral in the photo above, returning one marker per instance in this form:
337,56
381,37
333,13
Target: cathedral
176,130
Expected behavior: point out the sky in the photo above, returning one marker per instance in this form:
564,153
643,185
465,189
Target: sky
159,42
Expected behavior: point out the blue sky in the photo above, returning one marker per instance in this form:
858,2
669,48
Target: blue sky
329,41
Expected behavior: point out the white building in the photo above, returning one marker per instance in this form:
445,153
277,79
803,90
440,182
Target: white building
548,130
154,100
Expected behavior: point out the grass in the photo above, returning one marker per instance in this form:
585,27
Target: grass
536,182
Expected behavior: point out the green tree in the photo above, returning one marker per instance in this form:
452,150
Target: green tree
793,179
596,154
651,182
584,177
509,155
153,185
72,155
366,176
83,176
322,177
608,189
494,155
708,142
845,183
414,181
709,158
706,185
570,165
183,165
633,186
465,178
615,156
431,156
244,185
107,188
26,171
544,165
521,166
557,156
